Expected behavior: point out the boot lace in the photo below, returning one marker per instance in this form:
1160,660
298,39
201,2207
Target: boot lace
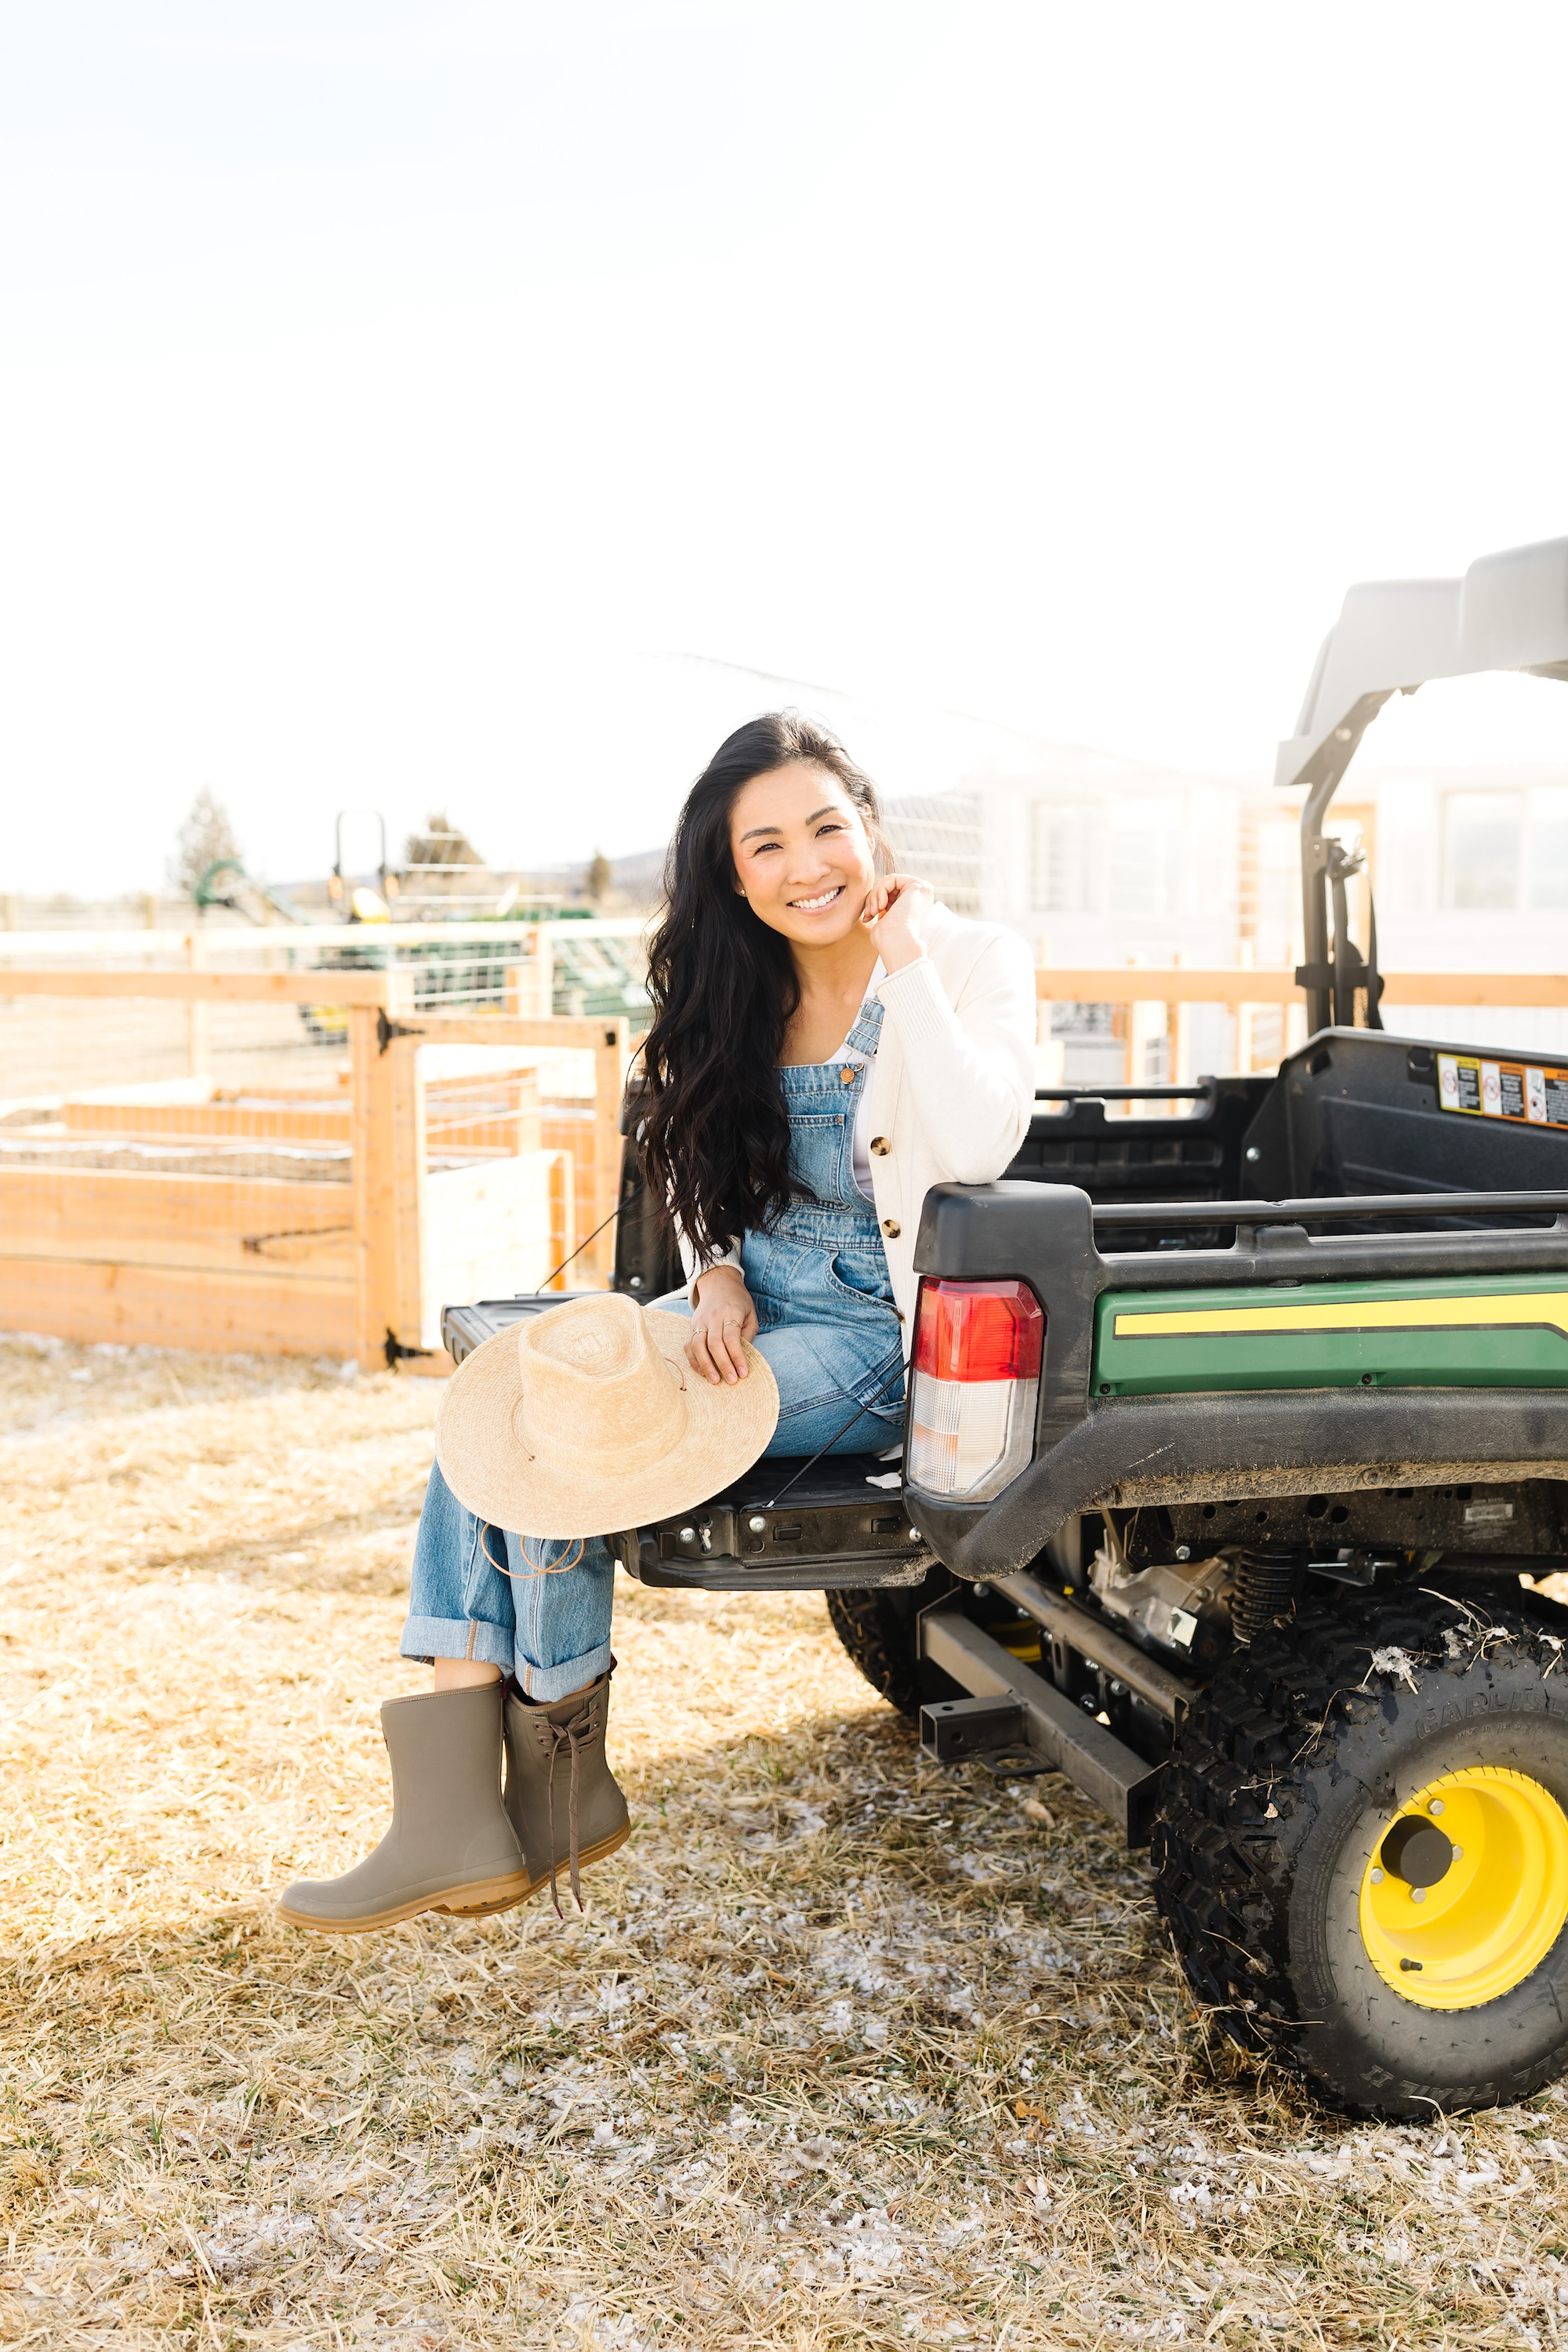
571,1738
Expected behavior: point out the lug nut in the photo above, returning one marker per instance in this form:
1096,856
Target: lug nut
1377,1878
1418,1895
1436,1806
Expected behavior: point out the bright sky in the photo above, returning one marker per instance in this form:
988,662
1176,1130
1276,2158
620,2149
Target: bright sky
388,388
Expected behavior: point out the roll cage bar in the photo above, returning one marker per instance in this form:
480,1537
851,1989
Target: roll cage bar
1510,612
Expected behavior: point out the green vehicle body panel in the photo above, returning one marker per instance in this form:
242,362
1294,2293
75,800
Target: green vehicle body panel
1474,1332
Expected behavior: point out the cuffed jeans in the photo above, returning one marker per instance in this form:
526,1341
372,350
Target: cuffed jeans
536,1607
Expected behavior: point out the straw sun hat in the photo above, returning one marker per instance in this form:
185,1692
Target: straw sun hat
587,1419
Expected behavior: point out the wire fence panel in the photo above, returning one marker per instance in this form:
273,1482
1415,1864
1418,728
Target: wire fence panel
528,969
175,1173
304,1161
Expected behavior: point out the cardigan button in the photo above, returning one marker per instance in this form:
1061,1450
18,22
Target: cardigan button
891,1227
880,1146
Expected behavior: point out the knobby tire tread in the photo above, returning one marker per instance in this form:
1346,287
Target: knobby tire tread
1264,1735
877,1626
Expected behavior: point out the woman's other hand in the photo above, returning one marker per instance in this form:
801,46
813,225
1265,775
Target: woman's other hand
894,914
722,1318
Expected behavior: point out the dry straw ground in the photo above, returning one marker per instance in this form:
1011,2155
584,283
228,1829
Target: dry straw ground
846,2051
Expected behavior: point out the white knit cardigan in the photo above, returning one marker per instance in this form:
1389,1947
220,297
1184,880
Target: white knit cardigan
952,1086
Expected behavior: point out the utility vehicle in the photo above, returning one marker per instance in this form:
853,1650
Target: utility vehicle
1235,1448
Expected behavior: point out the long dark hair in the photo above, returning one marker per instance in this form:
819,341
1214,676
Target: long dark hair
714,1138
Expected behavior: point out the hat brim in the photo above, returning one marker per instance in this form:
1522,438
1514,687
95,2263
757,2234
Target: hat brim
727,1428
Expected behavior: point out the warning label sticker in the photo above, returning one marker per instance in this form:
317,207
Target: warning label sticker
1503,1090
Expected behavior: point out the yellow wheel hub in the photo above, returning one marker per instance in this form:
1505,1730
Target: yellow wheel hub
1466,1890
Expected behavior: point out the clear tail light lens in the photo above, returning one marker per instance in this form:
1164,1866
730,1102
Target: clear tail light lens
976,1366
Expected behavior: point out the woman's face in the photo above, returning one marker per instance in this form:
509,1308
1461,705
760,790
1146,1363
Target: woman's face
802,854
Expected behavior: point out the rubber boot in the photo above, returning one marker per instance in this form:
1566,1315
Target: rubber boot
451,1846
563,1801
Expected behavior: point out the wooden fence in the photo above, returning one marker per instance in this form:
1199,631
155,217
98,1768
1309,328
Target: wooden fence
1169,992
326,1184
335,1216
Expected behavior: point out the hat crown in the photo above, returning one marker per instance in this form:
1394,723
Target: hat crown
594,1385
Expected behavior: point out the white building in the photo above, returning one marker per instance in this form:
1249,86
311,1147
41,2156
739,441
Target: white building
1103,861
1469,869
1095,860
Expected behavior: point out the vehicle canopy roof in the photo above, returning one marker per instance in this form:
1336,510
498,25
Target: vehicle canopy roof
1508,612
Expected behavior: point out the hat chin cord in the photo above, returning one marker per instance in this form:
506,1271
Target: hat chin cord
528,1575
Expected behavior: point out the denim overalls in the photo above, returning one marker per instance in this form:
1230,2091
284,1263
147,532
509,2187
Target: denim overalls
827,1326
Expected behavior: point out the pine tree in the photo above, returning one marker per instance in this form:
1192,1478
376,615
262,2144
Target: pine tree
596,882
205,839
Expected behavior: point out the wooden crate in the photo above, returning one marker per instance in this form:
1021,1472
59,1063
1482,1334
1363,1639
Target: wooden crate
486,1233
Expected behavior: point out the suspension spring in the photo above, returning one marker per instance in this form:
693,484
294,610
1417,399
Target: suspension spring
1267,1584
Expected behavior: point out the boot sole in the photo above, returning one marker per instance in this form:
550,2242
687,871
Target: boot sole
494,1894
509,1902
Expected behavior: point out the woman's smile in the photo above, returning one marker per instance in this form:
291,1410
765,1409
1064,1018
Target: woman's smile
803,856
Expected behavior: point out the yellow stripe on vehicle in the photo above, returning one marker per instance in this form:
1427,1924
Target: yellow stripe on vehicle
1507,1311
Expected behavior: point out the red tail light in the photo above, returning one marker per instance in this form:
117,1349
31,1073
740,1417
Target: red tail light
978,1331
977,1353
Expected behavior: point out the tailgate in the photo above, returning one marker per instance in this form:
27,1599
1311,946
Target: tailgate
781,1528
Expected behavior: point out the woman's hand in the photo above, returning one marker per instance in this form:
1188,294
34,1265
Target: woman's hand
894,914
722,1317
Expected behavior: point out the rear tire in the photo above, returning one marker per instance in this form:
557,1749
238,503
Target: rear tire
877,1625
1286,1781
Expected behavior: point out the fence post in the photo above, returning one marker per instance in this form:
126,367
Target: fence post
1246,957
528,984
199,1013
610,1060
376,1218
1143,1010
1179,1034
409,1164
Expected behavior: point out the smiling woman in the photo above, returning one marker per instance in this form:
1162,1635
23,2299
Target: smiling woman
785,939
828,1044
762,950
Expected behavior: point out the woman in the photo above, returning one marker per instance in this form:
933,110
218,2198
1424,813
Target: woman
828,1044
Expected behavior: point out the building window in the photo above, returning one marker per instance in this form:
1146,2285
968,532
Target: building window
1060,878
1145,857
1483,837
1549,846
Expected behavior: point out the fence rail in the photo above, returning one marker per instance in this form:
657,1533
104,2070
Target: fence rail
1238,984
1156,1001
